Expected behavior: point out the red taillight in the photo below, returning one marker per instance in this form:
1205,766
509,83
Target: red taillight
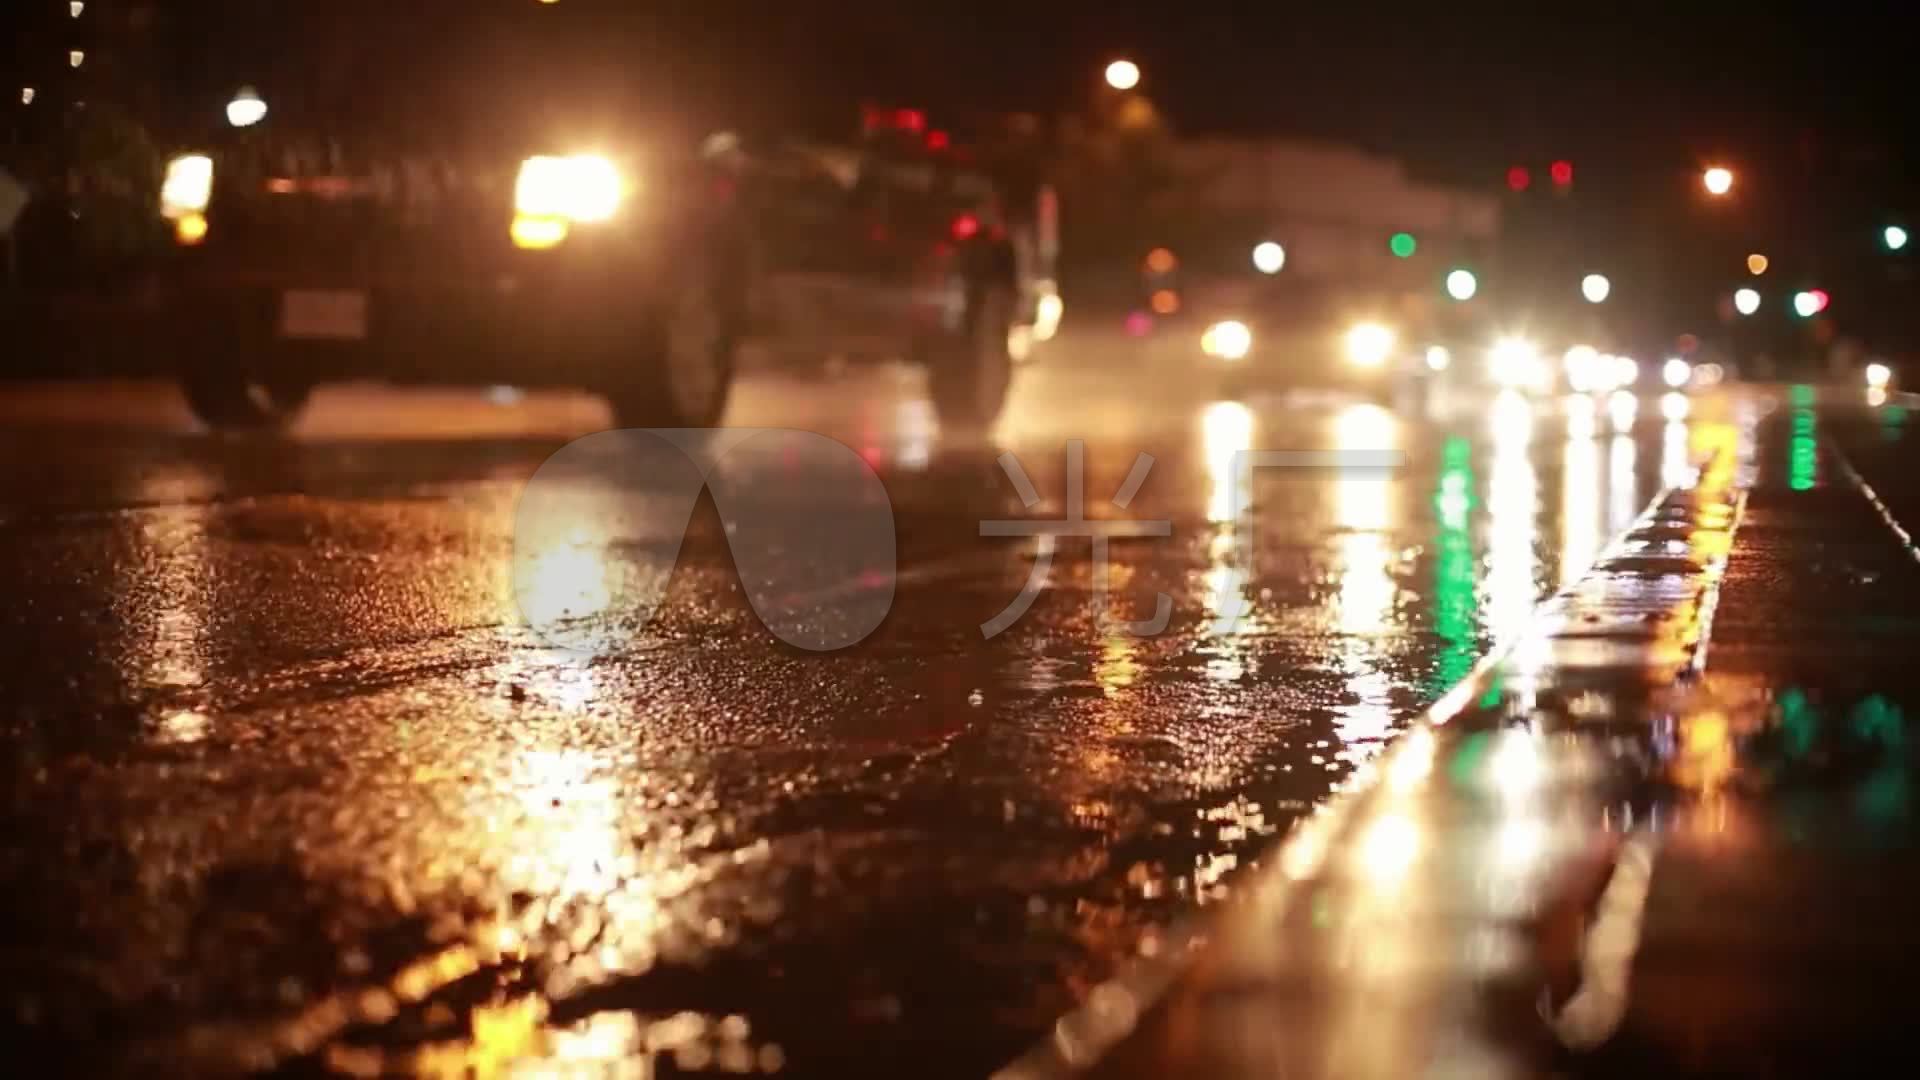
910,120
965,226
937,140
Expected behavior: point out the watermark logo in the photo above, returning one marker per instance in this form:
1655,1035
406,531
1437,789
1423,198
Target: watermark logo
810,531
806,519
1075,523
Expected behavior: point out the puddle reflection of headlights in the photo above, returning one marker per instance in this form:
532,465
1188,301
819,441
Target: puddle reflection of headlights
1369,344
1227,340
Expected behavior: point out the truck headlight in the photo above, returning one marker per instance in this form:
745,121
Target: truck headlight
1369,344
582,188
552,194
1228,340
187,186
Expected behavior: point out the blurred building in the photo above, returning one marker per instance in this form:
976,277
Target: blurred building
1357,230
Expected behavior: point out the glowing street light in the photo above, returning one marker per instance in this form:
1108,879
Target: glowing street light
1595,287
1269,257
1746,301
1123,74
1461,284
1756,264
1894,236
246,109
1718,180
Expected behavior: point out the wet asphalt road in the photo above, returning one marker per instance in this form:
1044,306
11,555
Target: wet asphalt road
291,783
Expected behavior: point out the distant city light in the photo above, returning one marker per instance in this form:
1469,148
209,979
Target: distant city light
1756,264
1403,245
26,95
1161,261
1123,75
246,109
76,7
1461,284
1595,287
1746,301
1165,302
1895,237
76,57
1269,257
1718,180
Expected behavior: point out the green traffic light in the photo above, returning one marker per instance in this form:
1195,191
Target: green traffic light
1403,244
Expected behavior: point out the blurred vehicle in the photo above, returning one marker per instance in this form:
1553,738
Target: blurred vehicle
637,275
514,198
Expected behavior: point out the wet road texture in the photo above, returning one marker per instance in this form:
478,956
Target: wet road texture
320,760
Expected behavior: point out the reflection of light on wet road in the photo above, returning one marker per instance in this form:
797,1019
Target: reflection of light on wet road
1227,431
1512,510
565,581
1517,764
1623,483
1675,468
1622,406
175,615
1364,604
1579,502
1388,850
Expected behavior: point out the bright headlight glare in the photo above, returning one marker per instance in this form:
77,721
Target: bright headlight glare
1369,344
1879,375
1228,340
187,186
1676,372
581,188
1515,362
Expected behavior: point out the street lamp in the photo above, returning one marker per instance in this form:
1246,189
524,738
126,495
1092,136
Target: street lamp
1756,264
1461,284
1718,180
1746,301
1269,257
1123,74
246,109
1595,287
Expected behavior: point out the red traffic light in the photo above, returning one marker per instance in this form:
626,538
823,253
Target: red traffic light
1820,300
1562,172
1518,178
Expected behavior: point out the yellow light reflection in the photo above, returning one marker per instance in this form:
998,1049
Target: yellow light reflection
1512,511
1412,762
1389,849
1517,764
566,581
1676,469
1227,432
1579,505
1623,483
